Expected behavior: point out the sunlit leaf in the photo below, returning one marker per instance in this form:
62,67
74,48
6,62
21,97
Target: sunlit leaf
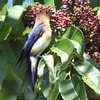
50,63
72,89
43,73
64,48
3,11
40,69
98,12
77,38
49,2
55,92
90,72
45,86
14,16
95,9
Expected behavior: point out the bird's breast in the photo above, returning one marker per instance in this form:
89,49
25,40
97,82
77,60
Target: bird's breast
39,46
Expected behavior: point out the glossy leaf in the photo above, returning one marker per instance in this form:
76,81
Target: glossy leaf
13,16
40,69
90,72
55,92
72,89
45,86
43,73
77,38
50,63
64,48
3,66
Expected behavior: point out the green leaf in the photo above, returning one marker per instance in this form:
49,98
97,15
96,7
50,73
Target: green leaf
2,3
40,1
64,48
40,69
45,86
90,72
50,64
79,86
43,73
77,38
3,66
4,31
1,23
20,30
2,16
58,4
41,97
12,51
55,92
14,16
95,9
16,48
49,2
18,2
94,3
28,89
98,12
3,11
72,89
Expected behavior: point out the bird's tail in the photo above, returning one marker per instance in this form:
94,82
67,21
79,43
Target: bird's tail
32,62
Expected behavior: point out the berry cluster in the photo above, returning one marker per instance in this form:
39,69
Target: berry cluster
31,12
61,21
71,12
83,16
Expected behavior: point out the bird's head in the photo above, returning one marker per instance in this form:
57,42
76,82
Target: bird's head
45,14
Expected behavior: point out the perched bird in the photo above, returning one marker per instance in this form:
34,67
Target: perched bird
38,40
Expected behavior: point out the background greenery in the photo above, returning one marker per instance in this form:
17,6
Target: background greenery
75,76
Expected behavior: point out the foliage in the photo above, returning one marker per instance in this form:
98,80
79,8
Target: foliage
65,72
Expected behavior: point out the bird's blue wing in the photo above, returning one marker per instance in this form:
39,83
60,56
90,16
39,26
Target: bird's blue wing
33,37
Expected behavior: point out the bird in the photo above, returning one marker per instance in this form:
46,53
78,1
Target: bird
38,40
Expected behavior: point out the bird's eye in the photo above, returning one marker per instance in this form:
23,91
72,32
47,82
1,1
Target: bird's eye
50,12
47,12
